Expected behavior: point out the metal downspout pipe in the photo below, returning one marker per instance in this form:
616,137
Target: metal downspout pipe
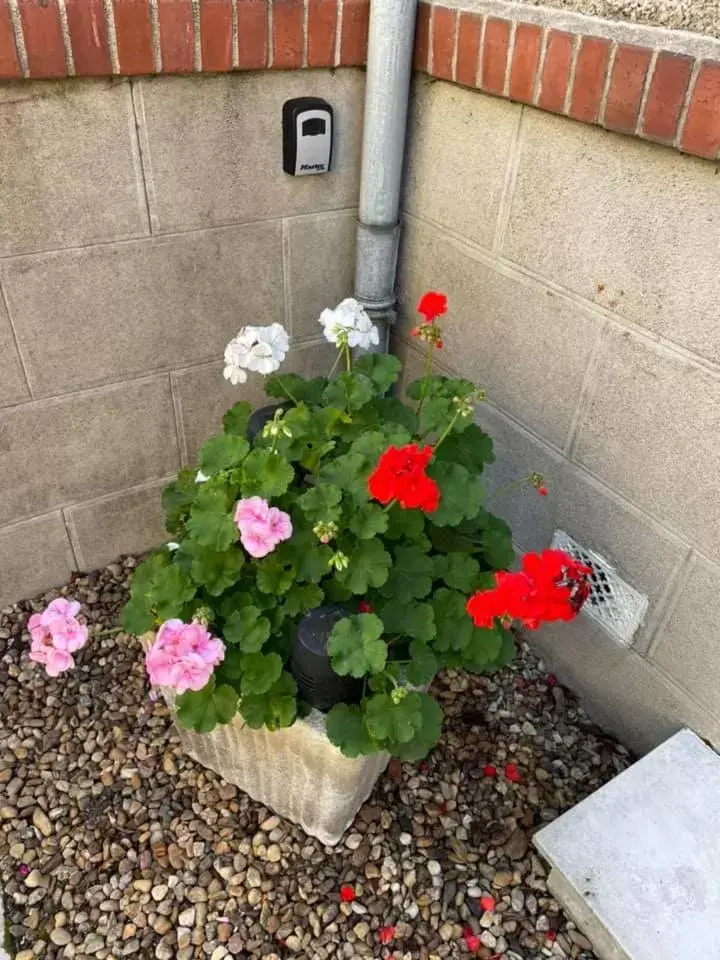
387,91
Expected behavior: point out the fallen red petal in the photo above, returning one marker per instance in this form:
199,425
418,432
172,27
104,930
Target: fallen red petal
487,902
512,773
386,934
551,680
347,894
489,770
472,940
551,935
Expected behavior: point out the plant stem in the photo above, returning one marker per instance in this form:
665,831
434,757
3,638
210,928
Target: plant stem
337,361
285,389
446,431
348,362
510,486
426,379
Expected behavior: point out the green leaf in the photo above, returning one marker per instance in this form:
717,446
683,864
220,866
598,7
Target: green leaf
410,576
349,472
170,591
236,419
428,733
137,616
202,710
222,453
247,629
461,493
177,498
496,544
210,522
302,598
408,619
458,570
346,730
392,410
368,520
473,448
393,722
452,622
274,709
266,474
369,565
505,655
423,665
310,558
260,671
274,576
355,645
350,391
321,502
282,386
483,649
216,570
405,523
382,368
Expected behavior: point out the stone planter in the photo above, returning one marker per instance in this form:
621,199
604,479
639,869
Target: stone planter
295,771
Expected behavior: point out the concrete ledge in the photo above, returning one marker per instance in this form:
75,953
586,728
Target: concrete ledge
635,864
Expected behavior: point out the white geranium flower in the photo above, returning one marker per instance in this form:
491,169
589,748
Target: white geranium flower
350,320
259,349
201,477
171,545
272,343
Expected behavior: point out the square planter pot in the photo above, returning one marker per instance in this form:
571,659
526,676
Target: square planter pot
295,771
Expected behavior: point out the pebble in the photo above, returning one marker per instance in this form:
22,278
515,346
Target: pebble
35,879
183,937
274,853
353,841
579,939
61,936
41,820
434,868
186,918
159,893
253,878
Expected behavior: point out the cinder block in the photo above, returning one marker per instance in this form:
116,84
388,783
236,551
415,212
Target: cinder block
622,223
128,522
13,388
459,148
639,846
225,166
68,449
687,647
643,553
34,556
529,349
321,267
132,308
650,431
622,692
71,174
203,396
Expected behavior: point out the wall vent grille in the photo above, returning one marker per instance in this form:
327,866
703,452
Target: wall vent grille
613,604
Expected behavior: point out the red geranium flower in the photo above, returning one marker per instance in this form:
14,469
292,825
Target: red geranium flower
432,305
512,773
386,934
400,475
364,607
347,894
472,940
543,491
489,770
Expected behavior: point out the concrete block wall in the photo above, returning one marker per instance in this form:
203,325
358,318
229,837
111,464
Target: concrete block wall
581,269
143,222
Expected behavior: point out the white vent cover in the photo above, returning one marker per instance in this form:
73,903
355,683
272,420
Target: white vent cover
613,604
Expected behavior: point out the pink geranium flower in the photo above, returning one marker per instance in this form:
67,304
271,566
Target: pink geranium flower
183,656
261,526
56,634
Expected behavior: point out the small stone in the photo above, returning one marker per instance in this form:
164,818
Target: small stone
447,932
270,824
517,845
353,841
60,936
42,822
434,868
35,879
186,918
488,940
9,813
17,850
253,878
93,943
183,937
159,892
235,944
143,885
405,839
274,853
361,930
517,899
162,926
175,856
25,955
293,943
196,895
579,940
502,878
218,953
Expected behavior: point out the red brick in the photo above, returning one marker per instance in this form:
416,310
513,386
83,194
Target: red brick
322,23
443,42
495,50
43,38
177,35
216,35
134,36
666,96
590,72
469,30
556,71
526,57
354,39
701,133
422,37
626,88
88,37
252,34
288,39
9,63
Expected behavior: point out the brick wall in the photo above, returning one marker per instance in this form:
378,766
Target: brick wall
144,221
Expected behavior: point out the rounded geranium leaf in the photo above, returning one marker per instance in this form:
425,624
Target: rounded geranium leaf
260,671
355,646
368,567
393,720
222,453
346,730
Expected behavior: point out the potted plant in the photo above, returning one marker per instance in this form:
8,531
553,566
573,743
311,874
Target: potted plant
350,505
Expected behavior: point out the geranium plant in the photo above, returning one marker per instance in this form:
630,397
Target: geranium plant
348,495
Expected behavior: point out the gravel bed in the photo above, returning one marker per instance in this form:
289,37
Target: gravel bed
113,844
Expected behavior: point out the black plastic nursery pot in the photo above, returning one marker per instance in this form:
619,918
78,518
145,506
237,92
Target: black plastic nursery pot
318,684
263,415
